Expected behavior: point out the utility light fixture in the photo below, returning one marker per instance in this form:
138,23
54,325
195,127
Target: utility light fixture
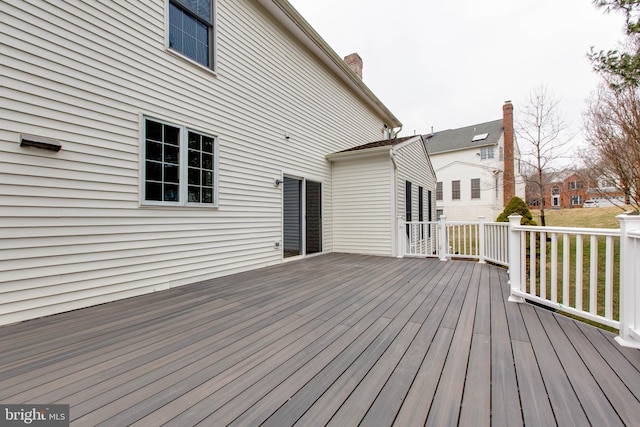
36,141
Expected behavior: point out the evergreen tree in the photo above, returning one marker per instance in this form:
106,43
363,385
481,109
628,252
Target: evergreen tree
518,206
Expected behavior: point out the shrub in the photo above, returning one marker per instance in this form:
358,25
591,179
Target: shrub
518,206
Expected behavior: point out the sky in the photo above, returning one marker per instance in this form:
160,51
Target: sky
451,64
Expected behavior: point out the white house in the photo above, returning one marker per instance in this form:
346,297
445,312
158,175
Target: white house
148,145
477,168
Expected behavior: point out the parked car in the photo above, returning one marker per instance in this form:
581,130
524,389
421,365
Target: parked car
590,204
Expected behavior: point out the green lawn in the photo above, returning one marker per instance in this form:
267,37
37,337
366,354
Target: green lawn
580,217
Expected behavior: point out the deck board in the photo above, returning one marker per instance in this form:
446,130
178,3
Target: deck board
330,340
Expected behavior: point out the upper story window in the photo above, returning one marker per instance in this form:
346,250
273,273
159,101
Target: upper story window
475,188
455,190
191,29
439,190
180,165
575,185
487,153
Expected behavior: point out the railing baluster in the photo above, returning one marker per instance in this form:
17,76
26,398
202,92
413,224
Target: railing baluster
543,265
579,272
566,260
554,267
532,263
608,279
593,275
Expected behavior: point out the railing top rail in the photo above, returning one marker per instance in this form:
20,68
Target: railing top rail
570,230
634,233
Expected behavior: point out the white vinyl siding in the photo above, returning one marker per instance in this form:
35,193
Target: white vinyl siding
362,212
413,165
73,231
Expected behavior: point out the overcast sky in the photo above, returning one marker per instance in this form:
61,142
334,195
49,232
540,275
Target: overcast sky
452,64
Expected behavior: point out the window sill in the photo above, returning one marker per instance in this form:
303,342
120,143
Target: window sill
177,54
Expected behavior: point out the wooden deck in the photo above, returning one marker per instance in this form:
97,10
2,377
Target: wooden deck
336,339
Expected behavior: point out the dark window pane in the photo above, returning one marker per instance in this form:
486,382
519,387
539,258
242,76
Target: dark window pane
207,178
194,159
153,191
154,151
201,7
171,135
194,194
171,173
207,161
175,16
153,130
190,35
207,195
175,38
194,176
171,154
170,193
207,144
189,46
154,171
194,141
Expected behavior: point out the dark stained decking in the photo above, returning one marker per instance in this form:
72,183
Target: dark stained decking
336,339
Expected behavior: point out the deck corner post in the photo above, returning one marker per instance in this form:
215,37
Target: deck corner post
629,334
482,244
402,239
515,260
443,247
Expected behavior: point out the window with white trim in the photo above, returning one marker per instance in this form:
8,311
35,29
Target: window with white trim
439,190
475,188
487,153
191,31
179,165
455,190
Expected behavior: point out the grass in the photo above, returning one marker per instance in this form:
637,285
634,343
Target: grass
579,217
584,218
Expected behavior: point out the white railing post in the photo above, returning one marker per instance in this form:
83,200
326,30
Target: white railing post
443,247
482,242
515,266
402,239
629,281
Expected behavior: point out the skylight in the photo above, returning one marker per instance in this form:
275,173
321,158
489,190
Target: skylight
480,137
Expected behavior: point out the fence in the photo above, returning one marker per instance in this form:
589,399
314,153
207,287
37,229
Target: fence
591,273
480,240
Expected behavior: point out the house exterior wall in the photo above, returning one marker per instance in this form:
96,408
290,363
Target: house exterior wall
362,205
413,165
463,166
73,231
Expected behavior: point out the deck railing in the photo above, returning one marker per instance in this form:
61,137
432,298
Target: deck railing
481,240
590,273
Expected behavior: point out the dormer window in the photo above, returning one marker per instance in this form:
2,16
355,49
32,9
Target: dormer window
191,31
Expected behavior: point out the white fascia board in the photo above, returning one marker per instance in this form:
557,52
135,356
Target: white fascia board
289,17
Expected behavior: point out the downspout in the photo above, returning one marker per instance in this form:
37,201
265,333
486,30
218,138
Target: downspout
395,226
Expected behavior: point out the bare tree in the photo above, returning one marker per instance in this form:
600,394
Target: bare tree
612,127
543,139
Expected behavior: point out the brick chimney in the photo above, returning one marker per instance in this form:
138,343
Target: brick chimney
509,183
355,63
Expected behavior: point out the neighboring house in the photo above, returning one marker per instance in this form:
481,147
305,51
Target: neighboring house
570,188
148,145
374,186
477,168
